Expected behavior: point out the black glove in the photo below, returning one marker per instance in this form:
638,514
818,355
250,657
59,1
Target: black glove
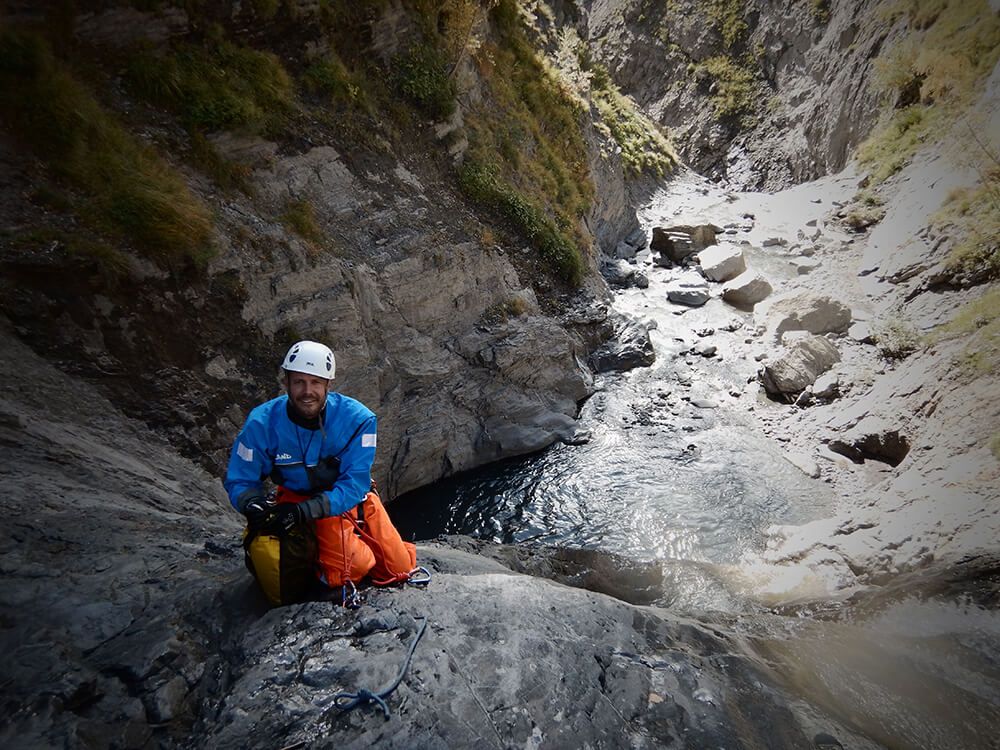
284,517
257,511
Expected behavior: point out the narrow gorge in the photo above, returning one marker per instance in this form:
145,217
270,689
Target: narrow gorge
680,320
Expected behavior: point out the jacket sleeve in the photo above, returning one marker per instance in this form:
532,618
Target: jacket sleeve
355,470
249,463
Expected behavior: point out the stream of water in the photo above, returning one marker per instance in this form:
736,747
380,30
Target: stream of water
677,473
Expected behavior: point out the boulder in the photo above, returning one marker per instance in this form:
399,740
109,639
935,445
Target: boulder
799,366
814,313
746,290
630,347
678,242
722,262
618,273
690,289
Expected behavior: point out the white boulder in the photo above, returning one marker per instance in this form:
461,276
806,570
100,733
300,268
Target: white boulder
799,366
689,289
746,290
722,262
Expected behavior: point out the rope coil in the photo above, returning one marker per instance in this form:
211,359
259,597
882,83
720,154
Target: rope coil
347,701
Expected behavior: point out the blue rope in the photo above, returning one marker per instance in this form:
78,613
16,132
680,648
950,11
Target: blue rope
378,698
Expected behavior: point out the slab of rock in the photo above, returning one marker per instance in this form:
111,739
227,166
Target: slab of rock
861,332
815,313
746,290
690,289
722,262
799,366
827,385
678,242
803,463
805,265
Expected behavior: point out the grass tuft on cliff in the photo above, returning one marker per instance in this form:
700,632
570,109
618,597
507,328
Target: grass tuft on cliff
645,149
734,87
527,157
483,184
929,76
973,215
218,86
978,323
130,191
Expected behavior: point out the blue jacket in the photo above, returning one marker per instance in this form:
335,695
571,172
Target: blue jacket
270,439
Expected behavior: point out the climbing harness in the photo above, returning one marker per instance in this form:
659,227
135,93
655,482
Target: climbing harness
347,701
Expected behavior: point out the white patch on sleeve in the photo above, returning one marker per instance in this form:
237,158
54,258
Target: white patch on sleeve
368,440
243,452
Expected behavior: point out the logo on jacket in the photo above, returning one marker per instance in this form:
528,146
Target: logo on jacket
283,457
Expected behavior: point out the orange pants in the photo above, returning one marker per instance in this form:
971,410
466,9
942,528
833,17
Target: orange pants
349,550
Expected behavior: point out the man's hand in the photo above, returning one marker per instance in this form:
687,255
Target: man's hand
284,517
257,511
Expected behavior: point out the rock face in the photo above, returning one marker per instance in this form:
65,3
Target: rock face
129,621
722,262
746,290
815,313
799,366
813,61
690,289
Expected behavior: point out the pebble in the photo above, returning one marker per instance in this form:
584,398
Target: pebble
704,403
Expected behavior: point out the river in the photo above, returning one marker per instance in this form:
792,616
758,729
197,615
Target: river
679,473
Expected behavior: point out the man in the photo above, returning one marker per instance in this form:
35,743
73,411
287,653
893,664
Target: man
317,446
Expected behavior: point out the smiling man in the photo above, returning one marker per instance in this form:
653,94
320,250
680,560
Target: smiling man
317,446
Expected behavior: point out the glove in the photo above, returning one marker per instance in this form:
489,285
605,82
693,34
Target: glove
284,517
257,511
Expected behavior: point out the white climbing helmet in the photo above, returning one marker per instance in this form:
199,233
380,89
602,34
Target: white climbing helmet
312,358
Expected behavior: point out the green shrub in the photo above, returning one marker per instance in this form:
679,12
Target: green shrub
726,17
890,147
328,75
896,338
481,183
421,75
130,191
224,87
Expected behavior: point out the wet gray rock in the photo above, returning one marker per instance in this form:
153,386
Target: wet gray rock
628,348
746,290
689,289
799,366
618,273
722,262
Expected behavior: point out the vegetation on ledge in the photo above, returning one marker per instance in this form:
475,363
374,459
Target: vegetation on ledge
127,190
